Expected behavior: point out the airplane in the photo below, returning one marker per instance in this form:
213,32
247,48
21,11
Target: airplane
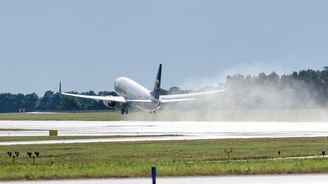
133,94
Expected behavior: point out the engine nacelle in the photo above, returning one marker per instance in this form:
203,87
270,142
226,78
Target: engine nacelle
109,103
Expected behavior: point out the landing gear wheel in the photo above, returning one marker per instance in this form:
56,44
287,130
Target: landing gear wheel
124,110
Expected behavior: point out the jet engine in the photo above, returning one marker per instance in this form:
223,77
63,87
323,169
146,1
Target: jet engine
109,103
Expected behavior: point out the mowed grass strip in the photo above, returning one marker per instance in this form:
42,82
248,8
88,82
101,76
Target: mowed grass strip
126,169
172,158
45,138
62,116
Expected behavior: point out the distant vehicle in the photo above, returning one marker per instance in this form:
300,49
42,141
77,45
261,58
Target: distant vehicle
132,93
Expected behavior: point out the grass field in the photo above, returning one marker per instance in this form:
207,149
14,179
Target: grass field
304,115
172,158
39,138
83,116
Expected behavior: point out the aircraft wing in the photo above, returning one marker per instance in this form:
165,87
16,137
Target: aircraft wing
188,96
104,98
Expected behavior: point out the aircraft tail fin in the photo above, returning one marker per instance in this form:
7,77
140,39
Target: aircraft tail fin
157,87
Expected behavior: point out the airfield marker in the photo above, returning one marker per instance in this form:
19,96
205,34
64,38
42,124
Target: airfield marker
153,174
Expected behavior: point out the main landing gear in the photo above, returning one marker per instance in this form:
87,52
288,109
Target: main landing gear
125,109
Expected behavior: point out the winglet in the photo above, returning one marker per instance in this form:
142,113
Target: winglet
157,87
60,91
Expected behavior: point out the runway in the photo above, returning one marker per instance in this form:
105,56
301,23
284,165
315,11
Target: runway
160,130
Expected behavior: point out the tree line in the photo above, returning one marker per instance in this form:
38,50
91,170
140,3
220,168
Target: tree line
305,88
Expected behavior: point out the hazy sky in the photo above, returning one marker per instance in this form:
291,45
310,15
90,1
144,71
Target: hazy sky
88,44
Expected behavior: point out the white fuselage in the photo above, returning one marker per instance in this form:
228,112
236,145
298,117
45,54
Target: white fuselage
132,92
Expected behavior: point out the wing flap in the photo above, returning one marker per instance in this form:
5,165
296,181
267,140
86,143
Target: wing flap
177,100
188,95
139,101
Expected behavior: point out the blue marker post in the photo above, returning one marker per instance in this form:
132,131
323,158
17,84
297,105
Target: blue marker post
153,174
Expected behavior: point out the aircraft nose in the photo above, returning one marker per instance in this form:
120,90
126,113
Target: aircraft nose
118,80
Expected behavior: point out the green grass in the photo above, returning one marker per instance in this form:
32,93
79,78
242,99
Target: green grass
40,138
88,116
172,158
167,114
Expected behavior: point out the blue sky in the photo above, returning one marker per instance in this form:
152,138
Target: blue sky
88,44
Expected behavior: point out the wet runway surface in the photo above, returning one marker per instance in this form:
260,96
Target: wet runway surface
162,129
270,179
